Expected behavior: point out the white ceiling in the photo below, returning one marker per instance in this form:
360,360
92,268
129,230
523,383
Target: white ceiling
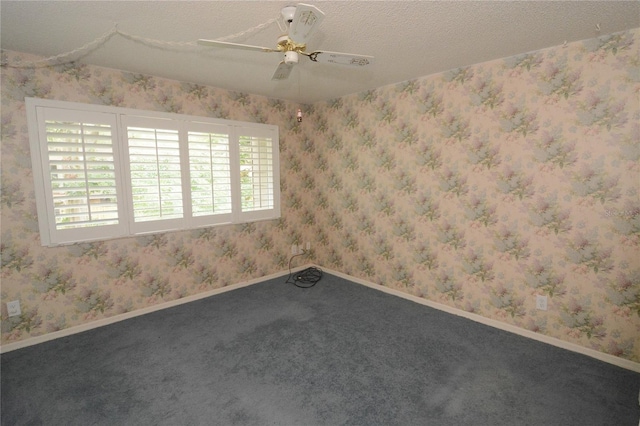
409,39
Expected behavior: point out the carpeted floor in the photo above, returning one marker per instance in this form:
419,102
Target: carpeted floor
338,353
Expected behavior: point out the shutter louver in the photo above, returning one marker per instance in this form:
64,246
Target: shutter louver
210,173
154,162
82,174
256,173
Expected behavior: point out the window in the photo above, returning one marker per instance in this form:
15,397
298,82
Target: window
104,172
256,173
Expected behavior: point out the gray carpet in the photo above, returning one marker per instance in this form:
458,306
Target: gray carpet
335,354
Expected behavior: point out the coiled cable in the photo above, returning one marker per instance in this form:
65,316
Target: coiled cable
306,278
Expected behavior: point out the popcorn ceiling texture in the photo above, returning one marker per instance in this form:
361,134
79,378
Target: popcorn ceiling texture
478,188
408,39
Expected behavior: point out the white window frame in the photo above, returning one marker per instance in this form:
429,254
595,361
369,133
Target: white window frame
39,110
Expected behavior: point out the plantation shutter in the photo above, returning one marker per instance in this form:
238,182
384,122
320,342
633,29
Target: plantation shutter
259,174
104,172
78,161
155,174
209,172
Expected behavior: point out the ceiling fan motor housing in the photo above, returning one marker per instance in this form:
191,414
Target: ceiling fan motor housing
291,57
301,21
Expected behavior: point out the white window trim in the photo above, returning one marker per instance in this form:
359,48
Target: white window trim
50,236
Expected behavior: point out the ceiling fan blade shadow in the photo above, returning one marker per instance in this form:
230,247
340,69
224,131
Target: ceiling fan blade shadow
305,21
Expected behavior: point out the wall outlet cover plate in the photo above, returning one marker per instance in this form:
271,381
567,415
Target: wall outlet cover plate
13,308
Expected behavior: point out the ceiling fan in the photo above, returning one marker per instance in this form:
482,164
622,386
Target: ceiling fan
301,21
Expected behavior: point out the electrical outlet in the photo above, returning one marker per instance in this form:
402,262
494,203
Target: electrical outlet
294,249
541,302
13,308
308,246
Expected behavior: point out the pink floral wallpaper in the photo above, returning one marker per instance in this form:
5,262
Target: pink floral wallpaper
485,186
72,285
478,188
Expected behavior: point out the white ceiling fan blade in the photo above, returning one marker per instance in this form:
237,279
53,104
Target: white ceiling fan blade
340,58
282,72
224,44
305,21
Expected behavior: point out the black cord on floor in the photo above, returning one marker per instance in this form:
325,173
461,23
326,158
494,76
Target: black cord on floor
306,278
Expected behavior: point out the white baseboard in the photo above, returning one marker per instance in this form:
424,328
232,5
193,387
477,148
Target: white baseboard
121,317
611,359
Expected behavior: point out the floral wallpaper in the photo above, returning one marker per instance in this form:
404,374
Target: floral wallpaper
485,186
478,188
71,285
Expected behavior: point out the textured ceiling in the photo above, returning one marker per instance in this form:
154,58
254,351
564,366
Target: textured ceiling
408,39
